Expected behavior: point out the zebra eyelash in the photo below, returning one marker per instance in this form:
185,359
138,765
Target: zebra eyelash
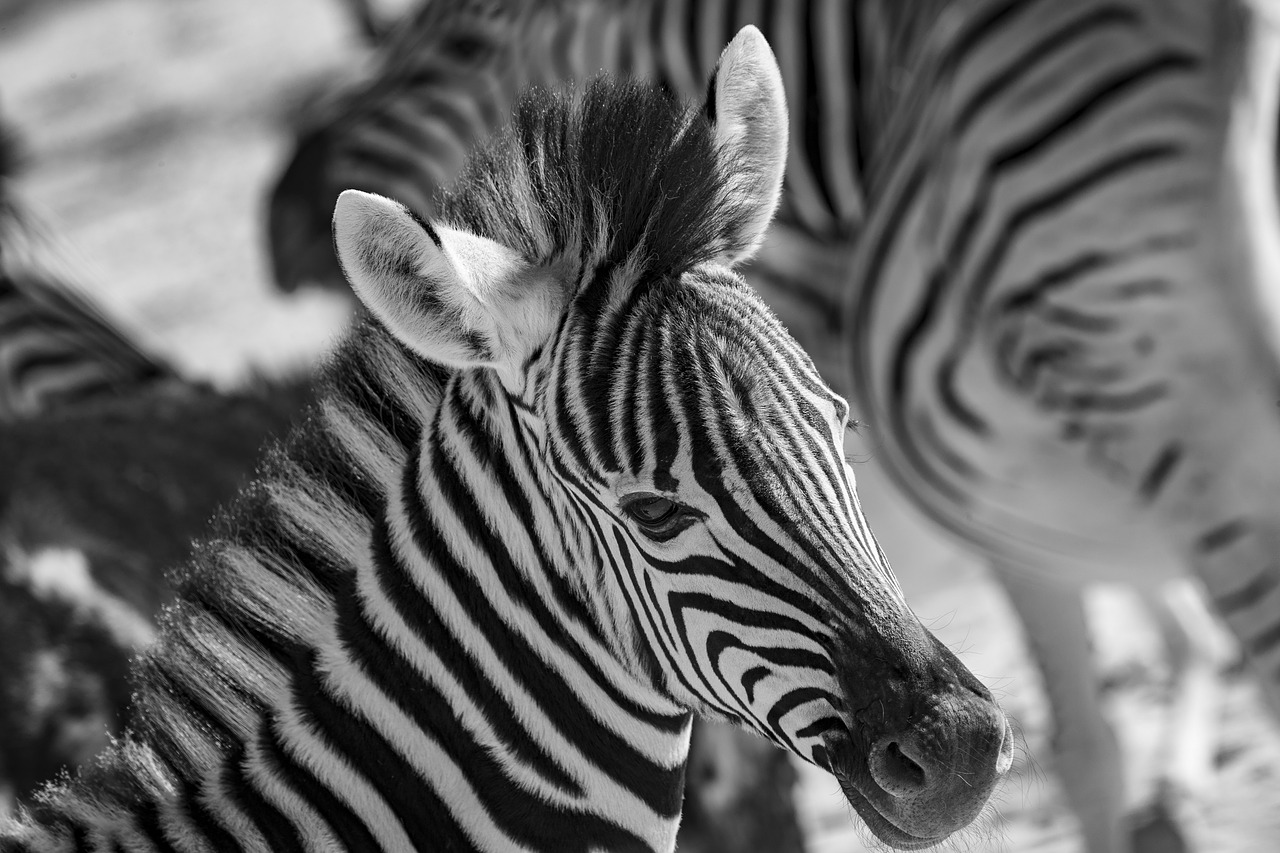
855,427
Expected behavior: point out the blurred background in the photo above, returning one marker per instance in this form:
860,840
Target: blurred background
152,131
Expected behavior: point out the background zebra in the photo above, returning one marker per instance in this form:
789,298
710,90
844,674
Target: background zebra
607,557
1059,321
872,83
109,464
55,347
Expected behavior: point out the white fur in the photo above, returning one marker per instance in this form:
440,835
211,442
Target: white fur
751,129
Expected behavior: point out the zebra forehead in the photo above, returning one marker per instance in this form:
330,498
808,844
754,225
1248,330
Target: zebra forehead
720,324
619,170
755,373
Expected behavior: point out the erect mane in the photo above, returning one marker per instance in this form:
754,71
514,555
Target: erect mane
624,167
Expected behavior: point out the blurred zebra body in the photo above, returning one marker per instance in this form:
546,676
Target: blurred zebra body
474,600
374,19
110,463
56,347
1058,323
1055,299
1021,190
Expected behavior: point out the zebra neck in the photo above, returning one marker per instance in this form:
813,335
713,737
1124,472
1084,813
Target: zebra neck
393,646
482,573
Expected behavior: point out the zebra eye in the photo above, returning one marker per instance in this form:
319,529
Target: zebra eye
657,516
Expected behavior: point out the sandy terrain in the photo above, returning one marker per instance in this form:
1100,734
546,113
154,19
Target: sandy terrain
155,127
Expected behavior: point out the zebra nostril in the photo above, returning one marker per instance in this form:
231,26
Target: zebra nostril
895,771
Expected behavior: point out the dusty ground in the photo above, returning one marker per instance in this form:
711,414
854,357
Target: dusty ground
155,126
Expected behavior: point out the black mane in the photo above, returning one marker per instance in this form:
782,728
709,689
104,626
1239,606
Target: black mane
624,161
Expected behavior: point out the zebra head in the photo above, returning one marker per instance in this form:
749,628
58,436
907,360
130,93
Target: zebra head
675,435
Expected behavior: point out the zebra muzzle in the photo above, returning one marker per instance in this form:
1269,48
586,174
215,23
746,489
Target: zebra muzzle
919,784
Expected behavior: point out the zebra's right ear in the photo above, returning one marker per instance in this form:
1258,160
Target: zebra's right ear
453,297
747,107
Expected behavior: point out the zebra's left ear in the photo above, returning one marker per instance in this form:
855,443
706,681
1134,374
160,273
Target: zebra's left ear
747,107
455,298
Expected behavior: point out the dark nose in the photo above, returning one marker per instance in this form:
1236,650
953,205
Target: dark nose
916,763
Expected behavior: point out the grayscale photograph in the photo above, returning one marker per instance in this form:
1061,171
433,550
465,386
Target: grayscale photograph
639,426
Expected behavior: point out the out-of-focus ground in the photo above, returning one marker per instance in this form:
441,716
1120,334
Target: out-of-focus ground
155,127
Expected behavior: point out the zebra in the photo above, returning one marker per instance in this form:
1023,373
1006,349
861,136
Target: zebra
571,485
870,94
102,487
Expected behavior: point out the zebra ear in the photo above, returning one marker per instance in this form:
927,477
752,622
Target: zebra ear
747,107
453,297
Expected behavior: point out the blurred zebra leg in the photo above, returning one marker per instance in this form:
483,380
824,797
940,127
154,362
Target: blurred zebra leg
1196,648
1085,749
